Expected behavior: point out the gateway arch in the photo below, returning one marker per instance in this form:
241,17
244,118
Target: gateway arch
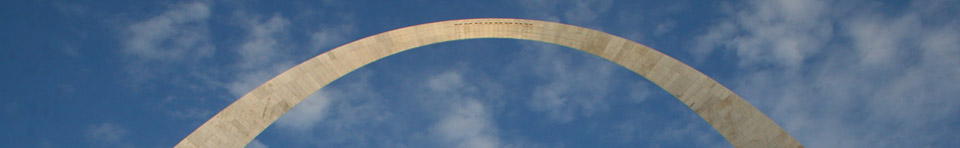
738,121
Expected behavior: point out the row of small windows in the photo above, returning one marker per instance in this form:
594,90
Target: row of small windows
494,23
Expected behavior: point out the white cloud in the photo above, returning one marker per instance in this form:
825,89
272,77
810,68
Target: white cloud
879,79
167,46
688,130
664,27
179,33
586,11
107,135
335,116
248,79
70,50
575,89
464,121
639,92
353,114
175,39
579,12
265,43
467,125
264,54
307,114
192,114
268,49
447,81
70,9
674,125
541,9
106,132
650,22
256,144
876,41
349,114
328,38
571,88
778,32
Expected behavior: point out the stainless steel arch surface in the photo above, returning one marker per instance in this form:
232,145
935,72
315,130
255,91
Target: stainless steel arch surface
735,119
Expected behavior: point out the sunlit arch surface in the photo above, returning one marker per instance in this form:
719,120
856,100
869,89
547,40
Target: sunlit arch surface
738,121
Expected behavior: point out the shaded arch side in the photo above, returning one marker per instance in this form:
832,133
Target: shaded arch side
734,118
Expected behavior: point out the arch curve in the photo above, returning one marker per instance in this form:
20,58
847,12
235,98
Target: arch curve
734,118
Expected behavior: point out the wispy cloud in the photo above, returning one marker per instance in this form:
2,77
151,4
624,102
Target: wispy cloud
70,9
180,32
263,54
306,115
164,46
843,74
467,125
268,48
797,30
576,86
444,110
329,37
349,115
107,134
178,39
578,12
267,41
571,89
256,144
172,40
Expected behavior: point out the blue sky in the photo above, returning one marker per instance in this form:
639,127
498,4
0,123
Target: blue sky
847,73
